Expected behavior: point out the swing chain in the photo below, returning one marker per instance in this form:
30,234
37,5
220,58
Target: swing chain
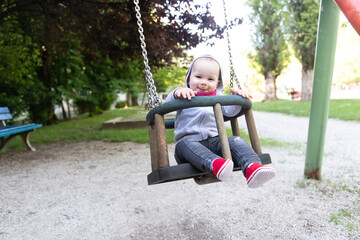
232,71
153,97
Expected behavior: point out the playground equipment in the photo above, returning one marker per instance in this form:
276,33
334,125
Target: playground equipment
351,9
161,170
323,71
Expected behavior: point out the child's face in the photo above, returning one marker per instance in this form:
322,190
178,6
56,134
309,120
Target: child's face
204,76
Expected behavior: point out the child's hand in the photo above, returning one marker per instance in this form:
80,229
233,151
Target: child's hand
185,93
240,92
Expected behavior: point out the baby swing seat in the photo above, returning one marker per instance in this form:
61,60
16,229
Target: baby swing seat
161,170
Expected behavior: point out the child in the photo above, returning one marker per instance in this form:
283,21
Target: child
196,133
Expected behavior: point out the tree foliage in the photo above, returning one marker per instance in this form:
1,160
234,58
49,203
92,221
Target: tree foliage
19,58
69,48
271,51
170,78
303,22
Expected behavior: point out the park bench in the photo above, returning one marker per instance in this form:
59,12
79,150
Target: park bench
9,132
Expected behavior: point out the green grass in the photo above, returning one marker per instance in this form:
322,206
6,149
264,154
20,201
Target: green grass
347,215
348,218
85,128
343,109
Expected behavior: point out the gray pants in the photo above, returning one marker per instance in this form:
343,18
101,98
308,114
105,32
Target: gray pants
201,154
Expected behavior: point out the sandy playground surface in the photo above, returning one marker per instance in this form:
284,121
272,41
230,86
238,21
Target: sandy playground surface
98,190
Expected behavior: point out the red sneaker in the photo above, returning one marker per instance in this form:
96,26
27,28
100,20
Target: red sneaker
223,168
257,175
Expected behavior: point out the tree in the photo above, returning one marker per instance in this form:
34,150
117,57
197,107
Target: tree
68,69
132,80
271,51
103,29
18,62
169,78
302,28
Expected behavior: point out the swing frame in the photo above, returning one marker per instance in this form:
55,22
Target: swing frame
162,172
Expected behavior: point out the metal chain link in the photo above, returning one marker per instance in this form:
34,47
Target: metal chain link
153,97
232,71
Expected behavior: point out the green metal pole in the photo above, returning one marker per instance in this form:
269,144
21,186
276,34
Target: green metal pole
323,72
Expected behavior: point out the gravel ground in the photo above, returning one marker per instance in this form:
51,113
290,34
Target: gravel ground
98,190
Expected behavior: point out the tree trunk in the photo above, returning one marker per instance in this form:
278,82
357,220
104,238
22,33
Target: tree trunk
45,108
134,101
68,107
270,87
63,110
127,101
307,79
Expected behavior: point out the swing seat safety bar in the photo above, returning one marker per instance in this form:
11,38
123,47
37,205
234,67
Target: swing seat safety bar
162,171
203,101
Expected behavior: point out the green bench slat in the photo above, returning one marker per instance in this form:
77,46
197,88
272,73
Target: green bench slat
4,110
5,116
4,113
10,130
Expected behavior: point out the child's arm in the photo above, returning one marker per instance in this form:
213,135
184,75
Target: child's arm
240,92
186,93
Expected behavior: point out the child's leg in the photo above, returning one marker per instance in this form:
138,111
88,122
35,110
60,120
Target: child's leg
200,156
243,154
195,153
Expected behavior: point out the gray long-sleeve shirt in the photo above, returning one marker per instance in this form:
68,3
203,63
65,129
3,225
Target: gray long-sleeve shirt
198,123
